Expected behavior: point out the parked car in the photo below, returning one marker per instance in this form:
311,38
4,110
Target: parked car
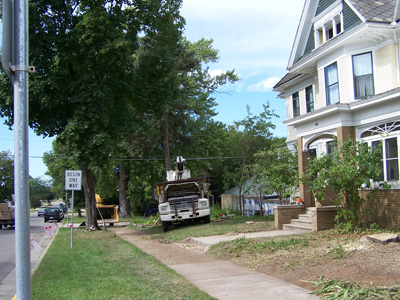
53,213
40,212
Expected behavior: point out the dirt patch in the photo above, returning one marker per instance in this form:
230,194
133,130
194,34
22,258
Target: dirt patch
359,260
346,258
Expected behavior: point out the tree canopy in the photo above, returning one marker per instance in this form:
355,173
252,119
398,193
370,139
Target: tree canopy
6,176
276,170
122,90
353,167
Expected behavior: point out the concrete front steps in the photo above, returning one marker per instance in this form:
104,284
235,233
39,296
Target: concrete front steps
303,222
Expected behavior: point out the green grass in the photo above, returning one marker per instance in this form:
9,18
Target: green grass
243,246
183,230
103,266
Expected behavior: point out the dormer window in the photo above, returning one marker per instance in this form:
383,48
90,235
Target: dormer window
328,25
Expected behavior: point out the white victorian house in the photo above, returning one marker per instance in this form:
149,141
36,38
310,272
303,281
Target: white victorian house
343,80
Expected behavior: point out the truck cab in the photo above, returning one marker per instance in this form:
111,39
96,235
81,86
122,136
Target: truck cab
182,198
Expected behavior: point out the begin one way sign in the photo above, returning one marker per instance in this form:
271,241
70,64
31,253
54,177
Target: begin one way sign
73,180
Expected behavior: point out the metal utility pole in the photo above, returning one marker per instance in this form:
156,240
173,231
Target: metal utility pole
15,63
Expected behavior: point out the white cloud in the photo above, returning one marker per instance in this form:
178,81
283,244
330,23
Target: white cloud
216,72
255,39
251,36
264,86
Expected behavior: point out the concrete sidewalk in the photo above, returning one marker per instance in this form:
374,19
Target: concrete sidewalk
7,285
221,279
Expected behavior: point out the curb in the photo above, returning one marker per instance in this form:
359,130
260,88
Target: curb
8,283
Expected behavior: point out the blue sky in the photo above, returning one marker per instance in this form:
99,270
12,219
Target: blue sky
253,37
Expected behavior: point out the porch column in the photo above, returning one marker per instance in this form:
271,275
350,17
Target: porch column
345,133
303,156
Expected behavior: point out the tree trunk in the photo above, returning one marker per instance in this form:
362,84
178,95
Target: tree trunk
241,205
124,205
261,205
90,197
166,143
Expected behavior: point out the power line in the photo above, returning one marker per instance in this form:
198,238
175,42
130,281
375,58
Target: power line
134,159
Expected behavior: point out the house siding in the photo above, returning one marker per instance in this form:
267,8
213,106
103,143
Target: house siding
310,46
320,99
346,81
289,108
386,76
350,19
302,99
322,5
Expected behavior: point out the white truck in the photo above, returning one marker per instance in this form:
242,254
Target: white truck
181,197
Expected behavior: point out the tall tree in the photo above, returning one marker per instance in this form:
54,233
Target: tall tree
6,176
83,52
276,170
246,137
58,160
184,84
39,189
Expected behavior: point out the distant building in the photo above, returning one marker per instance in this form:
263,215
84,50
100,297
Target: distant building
251,196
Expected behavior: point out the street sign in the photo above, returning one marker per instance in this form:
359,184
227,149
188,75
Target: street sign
73,180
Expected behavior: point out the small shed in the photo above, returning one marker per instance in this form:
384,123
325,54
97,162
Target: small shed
251,195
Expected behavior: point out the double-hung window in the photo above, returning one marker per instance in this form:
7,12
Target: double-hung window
309,99
332,84
296,104
363,75
390,158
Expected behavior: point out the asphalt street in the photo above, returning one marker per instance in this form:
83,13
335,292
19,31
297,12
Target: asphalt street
7,243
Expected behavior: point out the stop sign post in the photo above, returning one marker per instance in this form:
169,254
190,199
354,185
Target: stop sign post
73,182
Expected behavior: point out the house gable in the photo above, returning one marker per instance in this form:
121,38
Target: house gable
352,14
351,19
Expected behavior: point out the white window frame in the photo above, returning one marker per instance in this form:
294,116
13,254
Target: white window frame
329,91
381,134
365,74
296,99
310,101
327,22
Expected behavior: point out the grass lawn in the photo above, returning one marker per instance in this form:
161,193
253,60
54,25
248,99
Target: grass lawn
103,266
181,231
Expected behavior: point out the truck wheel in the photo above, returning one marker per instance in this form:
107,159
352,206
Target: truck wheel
207,219
165,226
